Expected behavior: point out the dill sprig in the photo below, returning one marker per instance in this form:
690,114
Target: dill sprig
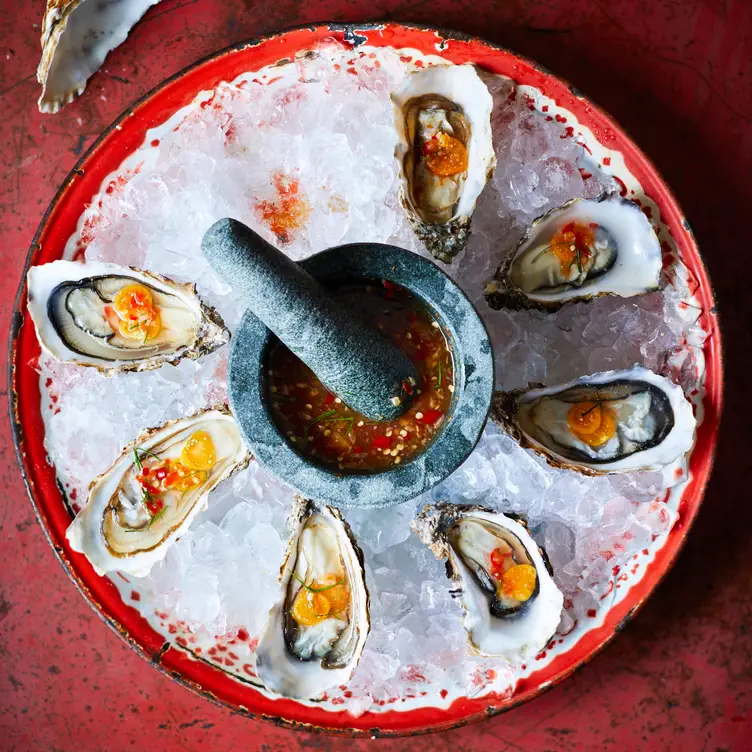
317,419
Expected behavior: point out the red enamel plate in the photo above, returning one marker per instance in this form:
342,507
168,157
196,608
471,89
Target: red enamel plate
120,140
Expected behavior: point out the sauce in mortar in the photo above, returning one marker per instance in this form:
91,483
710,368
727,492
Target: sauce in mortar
321,427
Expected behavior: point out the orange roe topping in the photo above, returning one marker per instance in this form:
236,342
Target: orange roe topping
289,212
178,475
518,582
591,422
318,601
573,244
136,315
198,452
445,155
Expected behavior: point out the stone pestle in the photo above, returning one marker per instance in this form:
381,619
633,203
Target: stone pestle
352,359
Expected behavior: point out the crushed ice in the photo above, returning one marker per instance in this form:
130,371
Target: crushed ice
331,132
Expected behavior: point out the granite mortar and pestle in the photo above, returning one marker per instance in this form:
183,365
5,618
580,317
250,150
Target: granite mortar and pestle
349,356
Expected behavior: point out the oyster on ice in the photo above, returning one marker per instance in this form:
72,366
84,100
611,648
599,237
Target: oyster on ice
154,490
582,249
77,35
445,152
116,318
511,605
616,421
315,634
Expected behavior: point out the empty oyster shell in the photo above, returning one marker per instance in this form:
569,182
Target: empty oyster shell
315,634
82,316
580,250
616,421
501,577
151,494
445,152
76,37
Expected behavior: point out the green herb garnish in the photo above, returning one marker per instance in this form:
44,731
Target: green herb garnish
316,590
337,420
598,403
439,380
157,515
547,249
144,453
316,420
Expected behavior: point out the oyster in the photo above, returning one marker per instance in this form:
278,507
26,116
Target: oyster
76,37
154,490
501,577
616,421
116,318
583,249
314,636
445,152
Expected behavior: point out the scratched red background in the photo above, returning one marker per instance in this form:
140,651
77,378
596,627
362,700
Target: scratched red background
677,75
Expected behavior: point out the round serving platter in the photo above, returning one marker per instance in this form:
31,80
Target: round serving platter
119,142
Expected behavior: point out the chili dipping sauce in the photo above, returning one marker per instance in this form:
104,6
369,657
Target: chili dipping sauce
322,428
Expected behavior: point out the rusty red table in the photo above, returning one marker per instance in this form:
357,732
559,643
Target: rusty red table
677,76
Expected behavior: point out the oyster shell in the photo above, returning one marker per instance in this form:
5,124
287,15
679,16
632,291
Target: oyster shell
450,103
615,421
149,497
76,37
511,605
71,305
314,636
580,250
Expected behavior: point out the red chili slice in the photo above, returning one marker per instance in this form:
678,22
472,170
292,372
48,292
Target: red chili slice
498,556
381,442
430,417
329,398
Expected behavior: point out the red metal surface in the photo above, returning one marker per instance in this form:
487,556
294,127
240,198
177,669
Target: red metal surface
680,674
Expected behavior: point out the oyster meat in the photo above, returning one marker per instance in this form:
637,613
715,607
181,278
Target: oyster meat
155,489
77,35
116,318
616,421
583,249
511,605
315,634
445,152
